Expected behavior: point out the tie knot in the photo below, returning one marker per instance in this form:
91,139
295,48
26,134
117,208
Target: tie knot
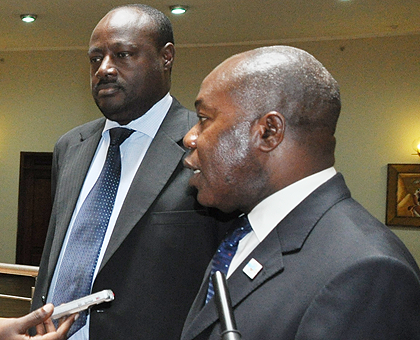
242,227
119,135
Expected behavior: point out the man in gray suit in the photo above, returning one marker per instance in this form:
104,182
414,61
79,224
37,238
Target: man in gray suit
158,240
315,265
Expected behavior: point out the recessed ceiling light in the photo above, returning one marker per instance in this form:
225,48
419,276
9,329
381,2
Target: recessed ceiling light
178,9
28,17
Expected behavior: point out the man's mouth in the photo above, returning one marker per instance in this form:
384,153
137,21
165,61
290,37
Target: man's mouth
188,164
107,89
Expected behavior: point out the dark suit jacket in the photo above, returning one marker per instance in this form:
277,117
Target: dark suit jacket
330,271
161,244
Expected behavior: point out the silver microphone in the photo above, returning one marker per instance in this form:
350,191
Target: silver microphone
224,307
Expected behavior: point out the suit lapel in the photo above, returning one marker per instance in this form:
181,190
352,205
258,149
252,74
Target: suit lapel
78,158
151,177
288,237
148,182
268,253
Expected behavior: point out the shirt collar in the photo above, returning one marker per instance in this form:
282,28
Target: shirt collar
150,122
267,214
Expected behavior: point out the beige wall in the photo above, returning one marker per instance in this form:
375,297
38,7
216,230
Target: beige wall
45,93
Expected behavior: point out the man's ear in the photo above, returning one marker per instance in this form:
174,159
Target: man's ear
168,54
270,128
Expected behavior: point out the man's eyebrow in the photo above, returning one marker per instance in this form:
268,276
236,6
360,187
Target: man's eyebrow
94,50
201,104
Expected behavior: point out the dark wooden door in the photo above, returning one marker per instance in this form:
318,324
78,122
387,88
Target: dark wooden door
34,207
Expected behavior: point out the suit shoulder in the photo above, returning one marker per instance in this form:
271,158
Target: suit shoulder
382,292
80,132
352,231
178,121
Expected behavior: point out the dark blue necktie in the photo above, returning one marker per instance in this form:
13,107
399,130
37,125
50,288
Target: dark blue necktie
227,250
80,258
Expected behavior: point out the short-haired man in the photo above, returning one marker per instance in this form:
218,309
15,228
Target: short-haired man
123,217
315,264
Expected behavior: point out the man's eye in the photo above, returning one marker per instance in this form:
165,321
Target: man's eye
94,60
202,119
123,54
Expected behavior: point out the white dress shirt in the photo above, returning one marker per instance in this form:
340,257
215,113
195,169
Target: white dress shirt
132,154
267,214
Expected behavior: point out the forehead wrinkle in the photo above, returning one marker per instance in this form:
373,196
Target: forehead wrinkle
113,45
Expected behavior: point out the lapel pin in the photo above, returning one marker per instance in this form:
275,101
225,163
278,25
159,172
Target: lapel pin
252,268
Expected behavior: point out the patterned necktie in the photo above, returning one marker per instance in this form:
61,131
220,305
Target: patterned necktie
226,251
80,258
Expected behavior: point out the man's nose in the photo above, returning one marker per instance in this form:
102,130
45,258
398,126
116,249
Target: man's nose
106,69
190,139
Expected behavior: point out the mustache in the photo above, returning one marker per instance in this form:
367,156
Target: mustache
104,83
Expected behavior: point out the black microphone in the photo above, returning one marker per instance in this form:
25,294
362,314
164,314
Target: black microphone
224,307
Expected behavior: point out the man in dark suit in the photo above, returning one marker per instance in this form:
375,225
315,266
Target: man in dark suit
158,240
315,265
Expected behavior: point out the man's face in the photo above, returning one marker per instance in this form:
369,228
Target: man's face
127,69
222,154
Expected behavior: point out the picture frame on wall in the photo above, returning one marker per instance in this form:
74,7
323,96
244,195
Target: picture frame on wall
403,195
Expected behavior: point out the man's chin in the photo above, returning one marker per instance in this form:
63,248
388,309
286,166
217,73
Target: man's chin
201,198
211,203
114,114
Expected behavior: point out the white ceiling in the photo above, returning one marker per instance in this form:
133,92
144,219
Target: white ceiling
67,24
